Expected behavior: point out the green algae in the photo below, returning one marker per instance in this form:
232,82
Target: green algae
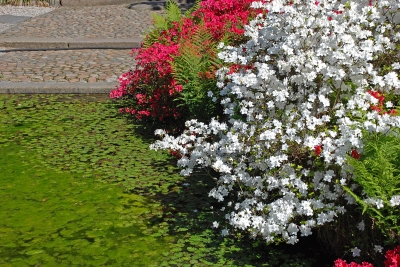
80,187
54,218
55,210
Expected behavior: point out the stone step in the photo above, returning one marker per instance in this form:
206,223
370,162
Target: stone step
29,43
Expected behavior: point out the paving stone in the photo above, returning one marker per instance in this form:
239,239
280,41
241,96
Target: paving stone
86,68
15,64
84,22
10,19
92,80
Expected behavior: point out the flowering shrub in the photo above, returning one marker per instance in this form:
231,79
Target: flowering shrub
159,87
392,260
306,85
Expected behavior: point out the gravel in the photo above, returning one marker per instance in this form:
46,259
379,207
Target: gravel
26,11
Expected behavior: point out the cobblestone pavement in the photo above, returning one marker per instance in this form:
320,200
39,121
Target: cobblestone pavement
79,67
65,65
115,21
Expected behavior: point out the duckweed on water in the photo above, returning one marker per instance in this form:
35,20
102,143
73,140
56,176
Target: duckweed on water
79,187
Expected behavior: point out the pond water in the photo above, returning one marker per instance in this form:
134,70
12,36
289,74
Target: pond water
54,218
59,215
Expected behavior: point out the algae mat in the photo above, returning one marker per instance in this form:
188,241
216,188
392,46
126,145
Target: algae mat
55,219
54,153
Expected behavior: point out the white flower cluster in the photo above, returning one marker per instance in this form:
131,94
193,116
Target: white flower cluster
395,201
312,64
379,203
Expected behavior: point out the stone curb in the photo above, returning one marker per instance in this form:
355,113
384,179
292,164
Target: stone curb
56,88
22,43
119,2
93,2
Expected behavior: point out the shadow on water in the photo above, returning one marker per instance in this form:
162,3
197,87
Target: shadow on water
189,214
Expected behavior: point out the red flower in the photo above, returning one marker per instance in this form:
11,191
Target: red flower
393,257
355,154
318,150
343,263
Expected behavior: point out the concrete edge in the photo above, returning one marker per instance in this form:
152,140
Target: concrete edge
56,88
22,43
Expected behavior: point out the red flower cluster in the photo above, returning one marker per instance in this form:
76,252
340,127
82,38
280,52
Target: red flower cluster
380,108
318,150
226,16
392,260
342,263
151,87
393,257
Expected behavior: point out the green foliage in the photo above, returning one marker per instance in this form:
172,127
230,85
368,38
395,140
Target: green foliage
194,69
378,174
164,22
193,8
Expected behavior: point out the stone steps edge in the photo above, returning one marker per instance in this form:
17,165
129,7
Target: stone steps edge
66,43
77,3
56,88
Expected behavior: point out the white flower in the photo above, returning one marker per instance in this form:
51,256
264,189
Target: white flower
378,248
224,232
396,65
389,104
215,224
392,80
361,226
374,201
395,200
379,203
356,252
